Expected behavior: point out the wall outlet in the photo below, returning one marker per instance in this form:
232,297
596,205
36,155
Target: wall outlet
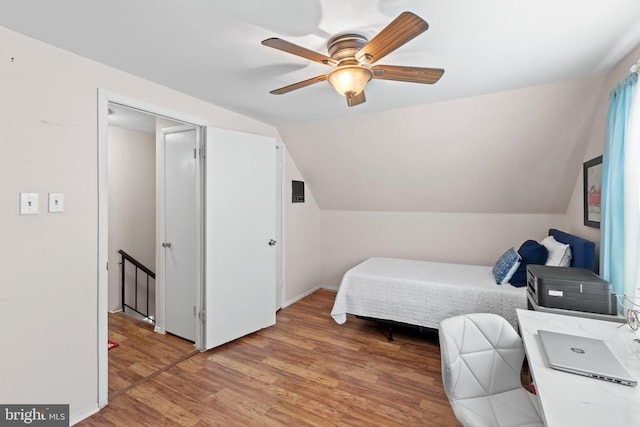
29,204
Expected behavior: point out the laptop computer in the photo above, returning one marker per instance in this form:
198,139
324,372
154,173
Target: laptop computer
590,357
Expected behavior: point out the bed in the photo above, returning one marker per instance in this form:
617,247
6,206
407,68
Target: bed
422,293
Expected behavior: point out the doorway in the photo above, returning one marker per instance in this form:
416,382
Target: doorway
133,138
231,157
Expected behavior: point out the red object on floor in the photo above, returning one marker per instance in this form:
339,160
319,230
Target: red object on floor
112,344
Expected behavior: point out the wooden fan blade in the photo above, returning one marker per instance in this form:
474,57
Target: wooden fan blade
404,28
299,85
407,74
357,99
294,49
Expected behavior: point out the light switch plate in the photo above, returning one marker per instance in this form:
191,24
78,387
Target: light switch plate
56,202
29,204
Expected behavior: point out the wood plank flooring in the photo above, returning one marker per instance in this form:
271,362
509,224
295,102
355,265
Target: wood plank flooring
140,353
304,371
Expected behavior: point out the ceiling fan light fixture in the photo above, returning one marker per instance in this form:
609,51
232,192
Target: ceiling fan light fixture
349,80
353,57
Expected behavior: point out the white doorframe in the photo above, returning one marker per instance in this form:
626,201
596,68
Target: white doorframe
104,98
280,192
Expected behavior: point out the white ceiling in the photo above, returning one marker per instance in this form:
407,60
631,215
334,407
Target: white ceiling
505,130
128,118
212,50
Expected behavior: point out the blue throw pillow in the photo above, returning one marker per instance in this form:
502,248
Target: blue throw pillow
531,252
506,265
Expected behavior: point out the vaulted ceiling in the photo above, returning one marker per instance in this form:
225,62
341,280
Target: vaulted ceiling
502,131
212,50
517,151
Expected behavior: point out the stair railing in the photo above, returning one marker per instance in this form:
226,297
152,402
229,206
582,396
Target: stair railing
139,267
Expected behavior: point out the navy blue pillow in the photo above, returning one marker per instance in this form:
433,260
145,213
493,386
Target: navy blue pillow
531,252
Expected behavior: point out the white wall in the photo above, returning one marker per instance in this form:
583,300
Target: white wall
349,237
132,203
595,146
48,286
302,239
456,181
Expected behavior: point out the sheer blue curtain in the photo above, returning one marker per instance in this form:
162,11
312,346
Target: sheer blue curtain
612,204
632,200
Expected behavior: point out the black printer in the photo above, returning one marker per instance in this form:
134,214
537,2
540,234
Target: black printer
570,289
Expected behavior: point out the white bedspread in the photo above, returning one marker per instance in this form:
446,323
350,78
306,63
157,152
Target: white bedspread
423,293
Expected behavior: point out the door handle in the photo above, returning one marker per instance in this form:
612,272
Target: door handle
272,242
166,244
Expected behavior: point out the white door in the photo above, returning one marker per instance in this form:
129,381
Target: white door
182,220
240,224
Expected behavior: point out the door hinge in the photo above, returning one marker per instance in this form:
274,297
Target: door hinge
203,151
195,153
202,316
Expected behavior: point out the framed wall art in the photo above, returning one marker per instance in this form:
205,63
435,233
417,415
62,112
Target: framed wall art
592,172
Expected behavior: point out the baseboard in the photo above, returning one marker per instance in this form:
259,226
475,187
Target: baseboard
75,418
309,292
299,297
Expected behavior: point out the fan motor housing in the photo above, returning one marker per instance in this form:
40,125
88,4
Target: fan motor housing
346,45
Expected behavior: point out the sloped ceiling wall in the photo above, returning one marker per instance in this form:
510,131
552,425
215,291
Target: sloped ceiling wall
518,151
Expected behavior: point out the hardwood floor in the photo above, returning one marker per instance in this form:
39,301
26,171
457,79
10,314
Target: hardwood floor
140,353
304,371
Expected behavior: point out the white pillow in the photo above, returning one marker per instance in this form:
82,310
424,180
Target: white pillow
559,253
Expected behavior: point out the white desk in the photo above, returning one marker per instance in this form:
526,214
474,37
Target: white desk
573,400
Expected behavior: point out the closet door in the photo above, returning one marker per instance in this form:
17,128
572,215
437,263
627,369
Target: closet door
240,220
180,246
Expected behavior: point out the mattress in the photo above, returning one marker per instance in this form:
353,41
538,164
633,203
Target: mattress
423,293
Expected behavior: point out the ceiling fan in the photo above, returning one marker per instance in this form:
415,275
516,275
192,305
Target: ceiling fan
351,56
